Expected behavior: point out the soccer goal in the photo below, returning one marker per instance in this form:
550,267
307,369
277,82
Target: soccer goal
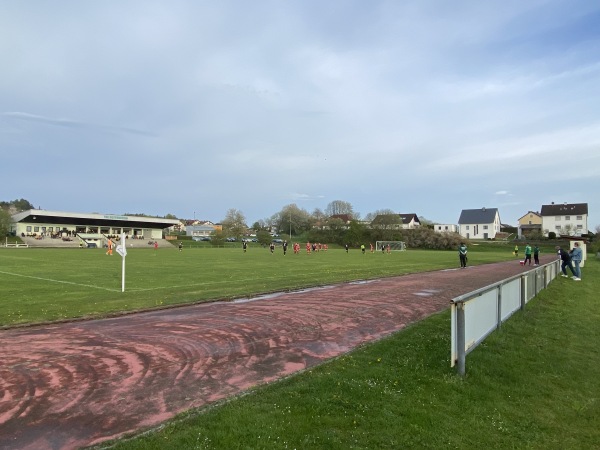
394,245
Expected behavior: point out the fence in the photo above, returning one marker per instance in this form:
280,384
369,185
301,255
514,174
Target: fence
477,314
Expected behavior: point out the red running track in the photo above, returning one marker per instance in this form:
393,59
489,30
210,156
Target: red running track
76,384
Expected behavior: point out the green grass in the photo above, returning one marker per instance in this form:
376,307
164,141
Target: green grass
42,285
534,384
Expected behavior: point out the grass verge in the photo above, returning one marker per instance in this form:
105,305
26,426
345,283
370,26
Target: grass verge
534,384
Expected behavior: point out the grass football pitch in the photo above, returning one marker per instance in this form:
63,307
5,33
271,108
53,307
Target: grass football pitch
40,285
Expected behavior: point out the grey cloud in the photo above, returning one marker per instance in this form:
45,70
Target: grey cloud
67,123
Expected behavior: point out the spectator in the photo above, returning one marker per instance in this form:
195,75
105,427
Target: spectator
462,254
576,256
536,256
566,262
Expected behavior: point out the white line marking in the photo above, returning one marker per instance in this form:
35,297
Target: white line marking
60,281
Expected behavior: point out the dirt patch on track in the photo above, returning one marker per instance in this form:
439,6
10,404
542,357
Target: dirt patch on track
78,384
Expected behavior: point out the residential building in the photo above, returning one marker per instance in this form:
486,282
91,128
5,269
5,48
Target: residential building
445,228
483,223
570,219
396,221
199,231
529,223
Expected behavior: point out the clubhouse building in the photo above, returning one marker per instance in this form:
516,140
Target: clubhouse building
40,224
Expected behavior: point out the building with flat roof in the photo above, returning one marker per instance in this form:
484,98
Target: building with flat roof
39,222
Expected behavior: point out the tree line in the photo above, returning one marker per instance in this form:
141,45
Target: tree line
338,224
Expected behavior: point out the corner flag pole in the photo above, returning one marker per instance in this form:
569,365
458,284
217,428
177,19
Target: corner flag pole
122,250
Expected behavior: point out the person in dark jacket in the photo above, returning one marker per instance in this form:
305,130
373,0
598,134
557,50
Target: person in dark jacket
462,254
566,262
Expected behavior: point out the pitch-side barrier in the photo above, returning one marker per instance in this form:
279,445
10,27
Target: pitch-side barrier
477,314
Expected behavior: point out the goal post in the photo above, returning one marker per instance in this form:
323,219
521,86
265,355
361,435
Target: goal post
396,246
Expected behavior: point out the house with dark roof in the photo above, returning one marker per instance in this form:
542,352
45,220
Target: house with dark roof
346,218
482,223
396,221
567,219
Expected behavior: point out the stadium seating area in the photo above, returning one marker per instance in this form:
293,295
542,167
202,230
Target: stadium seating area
74,242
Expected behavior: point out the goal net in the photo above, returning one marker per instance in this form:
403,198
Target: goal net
394,245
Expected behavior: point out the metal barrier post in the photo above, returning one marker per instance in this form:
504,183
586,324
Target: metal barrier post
460,338
499,308
523,291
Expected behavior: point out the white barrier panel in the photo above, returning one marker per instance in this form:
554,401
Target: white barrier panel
480,318
511,298
476,314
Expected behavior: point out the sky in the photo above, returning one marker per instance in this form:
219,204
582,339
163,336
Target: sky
194,108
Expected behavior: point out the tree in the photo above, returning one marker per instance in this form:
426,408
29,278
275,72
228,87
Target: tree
217,238
234,223
5,221
292,219
369,217
263,237
17,205
260,225
357,234
171,216
339,207
426,222
318,216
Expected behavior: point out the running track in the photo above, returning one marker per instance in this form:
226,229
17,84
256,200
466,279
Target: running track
76,384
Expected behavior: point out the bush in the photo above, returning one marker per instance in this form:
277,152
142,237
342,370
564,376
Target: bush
429,239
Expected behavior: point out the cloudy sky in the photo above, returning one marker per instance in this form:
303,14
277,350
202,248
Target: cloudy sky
195,107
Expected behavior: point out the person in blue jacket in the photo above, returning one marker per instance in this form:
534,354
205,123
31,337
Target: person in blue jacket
576,256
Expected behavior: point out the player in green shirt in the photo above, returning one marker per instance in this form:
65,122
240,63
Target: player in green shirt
527,254
462,253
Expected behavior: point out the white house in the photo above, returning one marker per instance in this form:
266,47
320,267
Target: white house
483,223
199,231
396,221
565,219
445,228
